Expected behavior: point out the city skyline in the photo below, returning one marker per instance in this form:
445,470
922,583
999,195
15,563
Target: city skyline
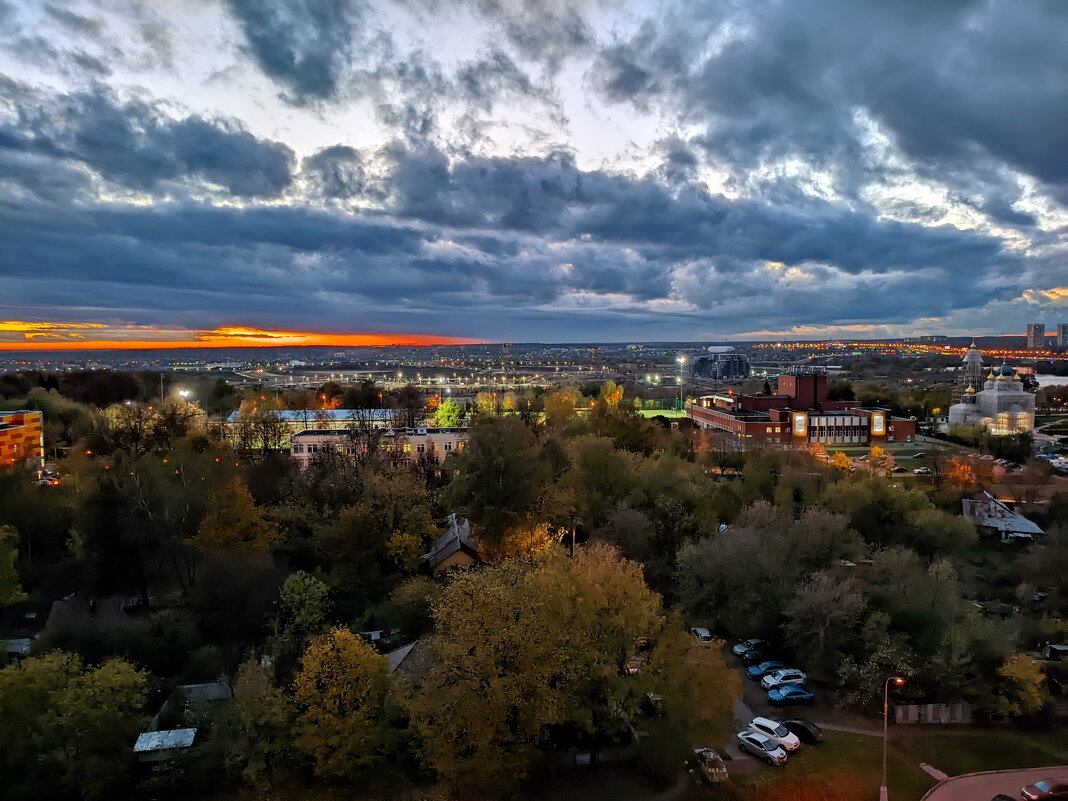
447,172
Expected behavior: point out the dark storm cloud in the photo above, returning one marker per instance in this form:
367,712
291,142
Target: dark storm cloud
483,234
551,197
134,144
304,46
957,84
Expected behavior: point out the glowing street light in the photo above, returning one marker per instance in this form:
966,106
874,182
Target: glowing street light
183,393
897,681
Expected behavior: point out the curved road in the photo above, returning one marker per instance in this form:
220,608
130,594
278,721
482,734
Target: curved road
984,786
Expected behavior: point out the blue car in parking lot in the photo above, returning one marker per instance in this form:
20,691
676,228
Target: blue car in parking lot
790,695
757,672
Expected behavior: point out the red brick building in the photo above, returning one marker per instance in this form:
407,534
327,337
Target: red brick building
800,414
21,438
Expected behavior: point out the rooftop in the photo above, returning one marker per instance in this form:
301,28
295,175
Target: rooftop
164,740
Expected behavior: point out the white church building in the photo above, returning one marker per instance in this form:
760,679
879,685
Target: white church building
1002,406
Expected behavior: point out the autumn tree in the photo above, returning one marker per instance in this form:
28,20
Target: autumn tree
234,524
10,588
840,461
880,462
340,693
379,539
1023,686
528,651
256,729
560,406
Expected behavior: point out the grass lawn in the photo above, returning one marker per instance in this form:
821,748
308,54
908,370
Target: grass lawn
859,756
958,750
669,413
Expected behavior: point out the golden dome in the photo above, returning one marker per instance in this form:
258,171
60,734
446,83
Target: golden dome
969,391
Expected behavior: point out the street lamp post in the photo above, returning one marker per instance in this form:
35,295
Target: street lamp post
681,360
897,681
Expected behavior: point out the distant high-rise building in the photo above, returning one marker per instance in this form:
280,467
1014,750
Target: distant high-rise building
1036,336
1062,335
720,363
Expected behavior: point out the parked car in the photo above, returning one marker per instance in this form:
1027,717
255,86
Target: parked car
708,766
748,645
783,676
919,455
701,635
922,471
776,732
757,745
755,656
1056,787
806,731
791,695
757,672
898,470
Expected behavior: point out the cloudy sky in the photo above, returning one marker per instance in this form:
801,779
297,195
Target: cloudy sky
531,170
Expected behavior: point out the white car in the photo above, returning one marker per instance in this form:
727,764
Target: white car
776,732
782,676
922,471
756,744
702,635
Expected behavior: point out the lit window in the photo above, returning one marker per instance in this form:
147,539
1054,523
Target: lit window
407,447
768,430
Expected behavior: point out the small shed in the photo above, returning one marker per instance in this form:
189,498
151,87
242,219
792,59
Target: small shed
152,746
994,518
455,548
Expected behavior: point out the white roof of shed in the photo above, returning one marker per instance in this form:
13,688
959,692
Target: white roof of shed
164,740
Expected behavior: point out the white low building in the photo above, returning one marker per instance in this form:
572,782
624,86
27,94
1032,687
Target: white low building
404,444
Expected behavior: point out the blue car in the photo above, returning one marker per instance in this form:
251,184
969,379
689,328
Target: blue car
757,672
791,695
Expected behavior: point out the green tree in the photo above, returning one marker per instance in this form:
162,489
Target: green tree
234,524
448,414
500,474
303,604
68,728
824,614
10,588
340,693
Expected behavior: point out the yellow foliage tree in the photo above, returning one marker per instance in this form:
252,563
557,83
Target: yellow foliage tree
841,461
522,646
1023,691
234,524
340,692
524,541
880,462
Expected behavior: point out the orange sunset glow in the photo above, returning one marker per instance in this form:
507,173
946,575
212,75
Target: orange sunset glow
37,336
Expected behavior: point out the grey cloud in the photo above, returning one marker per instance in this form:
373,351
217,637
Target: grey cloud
304,46
136,145
958,85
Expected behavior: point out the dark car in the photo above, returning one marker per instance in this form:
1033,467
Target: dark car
748,645
790,695
757,672
755,656
1056,787
806,731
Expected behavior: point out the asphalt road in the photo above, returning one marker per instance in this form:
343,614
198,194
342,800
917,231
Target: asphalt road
984,786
